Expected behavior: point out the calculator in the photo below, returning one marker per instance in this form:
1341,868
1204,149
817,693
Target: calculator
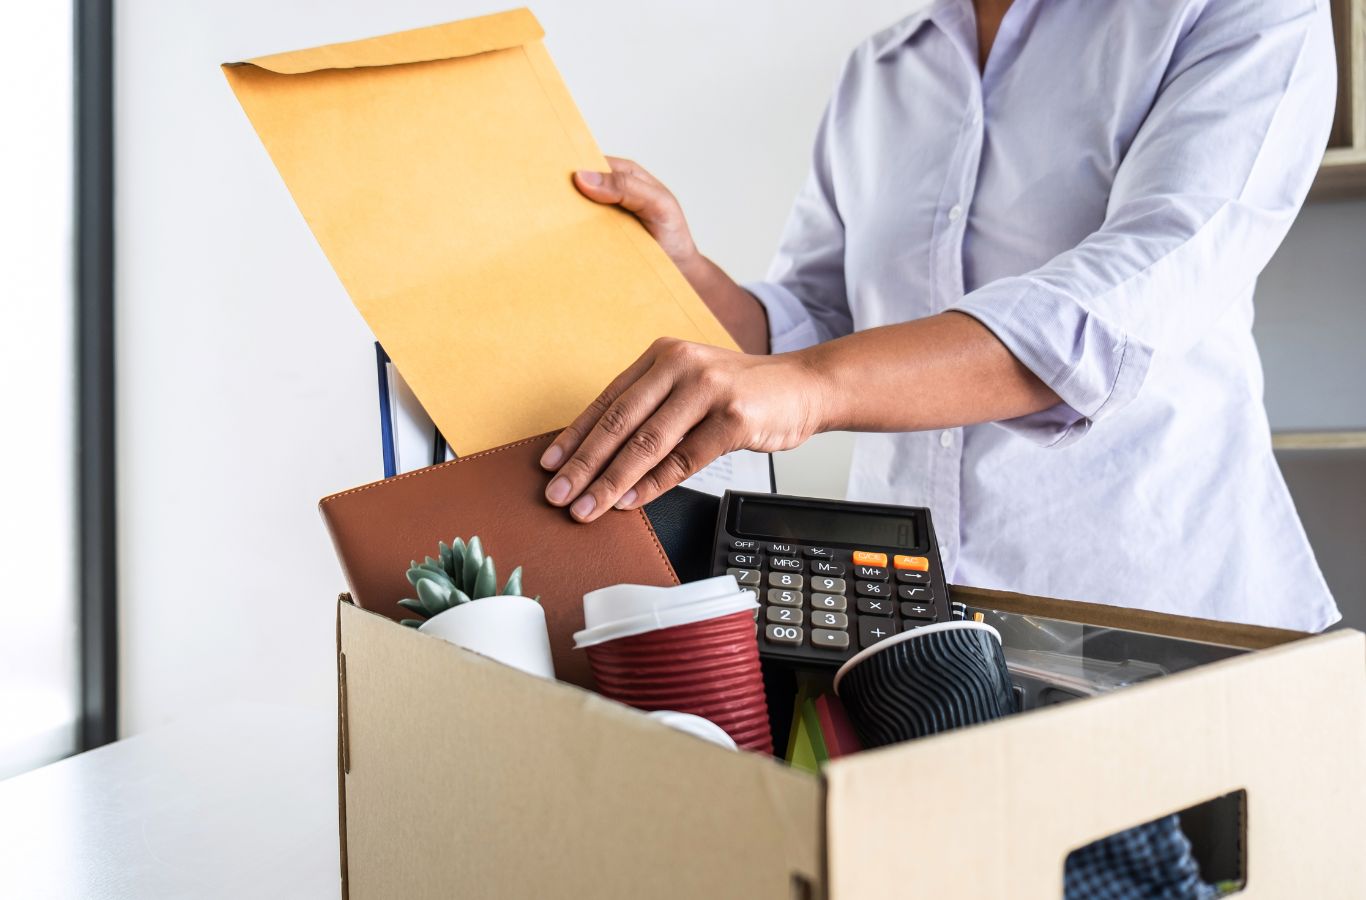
832,577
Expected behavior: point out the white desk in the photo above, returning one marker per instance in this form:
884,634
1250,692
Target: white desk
241,803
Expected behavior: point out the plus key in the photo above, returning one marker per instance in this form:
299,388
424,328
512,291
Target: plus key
872,629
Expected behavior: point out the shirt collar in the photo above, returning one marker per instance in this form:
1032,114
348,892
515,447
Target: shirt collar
939,12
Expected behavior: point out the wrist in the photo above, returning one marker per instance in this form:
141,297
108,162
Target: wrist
820,394
694,266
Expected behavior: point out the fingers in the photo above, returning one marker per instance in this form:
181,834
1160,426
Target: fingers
709,440
649,201
618,424
567,441
645,449
617,164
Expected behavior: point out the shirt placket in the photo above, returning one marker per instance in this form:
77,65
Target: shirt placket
944,449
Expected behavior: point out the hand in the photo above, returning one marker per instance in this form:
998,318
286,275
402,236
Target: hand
677,408
637,191
640,193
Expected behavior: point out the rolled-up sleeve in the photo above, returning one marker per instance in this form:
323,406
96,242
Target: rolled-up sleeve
1204,195
804,293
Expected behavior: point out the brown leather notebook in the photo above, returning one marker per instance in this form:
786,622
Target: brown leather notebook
499,495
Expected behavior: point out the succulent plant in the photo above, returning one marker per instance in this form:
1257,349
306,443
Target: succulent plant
462,573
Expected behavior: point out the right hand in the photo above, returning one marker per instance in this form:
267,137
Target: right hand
640,193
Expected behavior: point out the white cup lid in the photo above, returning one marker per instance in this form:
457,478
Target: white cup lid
623,610
697,726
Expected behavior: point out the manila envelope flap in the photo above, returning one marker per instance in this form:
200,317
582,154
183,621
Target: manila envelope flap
1288,725
434,168
461,776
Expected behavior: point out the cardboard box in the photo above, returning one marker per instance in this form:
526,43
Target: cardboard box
460,777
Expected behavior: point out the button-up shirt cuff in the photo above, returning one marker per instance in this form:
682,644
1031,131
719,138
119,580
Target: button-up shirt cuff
1092,365
790,326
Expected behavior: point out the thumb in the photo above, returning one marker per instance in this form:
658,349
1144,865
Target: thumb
597,186
624,190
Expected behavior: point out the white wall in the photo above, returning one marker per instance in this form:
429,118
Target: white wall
1311,321
246,381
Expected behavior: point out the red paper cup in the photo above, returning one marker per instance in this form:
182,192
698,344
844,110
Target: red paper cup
690,649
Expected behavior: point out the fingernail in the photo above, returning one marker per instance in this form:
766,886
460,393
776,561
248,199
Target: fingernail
627,499
551,457
583,507
592,179
558,491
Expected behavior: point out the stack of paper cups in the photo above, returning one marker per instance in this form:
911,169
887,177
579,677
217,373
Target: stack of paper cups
689,648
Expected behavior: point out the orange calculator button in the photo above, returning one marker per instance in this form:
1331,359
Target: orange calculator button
864,558
918,563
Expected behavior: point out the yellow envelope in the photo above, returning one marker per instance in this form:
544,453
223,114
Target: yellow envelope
434,168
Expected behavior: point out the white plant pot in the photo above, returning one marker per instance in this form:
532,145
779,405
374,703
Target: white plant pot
509,629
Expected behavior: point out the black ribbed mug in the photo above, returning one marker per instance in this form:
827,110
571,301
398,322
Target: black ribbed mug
924,681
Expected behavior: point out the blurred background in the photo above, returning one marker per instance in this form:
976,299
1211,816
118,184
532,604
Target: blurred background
185,378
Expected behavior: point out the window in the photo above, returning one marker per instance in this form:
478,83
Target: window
40,697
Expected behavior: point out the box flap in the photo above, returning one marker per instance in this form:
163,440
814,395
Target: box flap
434,168
464,772
1287,724
1104,615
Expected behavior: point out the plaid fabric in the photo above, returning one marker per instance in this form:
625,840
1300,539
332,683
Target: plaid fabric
1152,862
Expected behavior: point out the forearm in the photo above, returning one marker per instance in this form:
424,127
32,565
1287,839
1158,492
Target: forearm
937,372
737,309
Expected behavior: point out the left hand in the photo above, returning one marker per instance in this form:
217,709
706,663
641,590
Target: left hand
677,408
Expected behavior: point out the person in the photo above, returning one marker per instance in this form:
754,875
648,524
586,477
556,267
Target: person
1022,268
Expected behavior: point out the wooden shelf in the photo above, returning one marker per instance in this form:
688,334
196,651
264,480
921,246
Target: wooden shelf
1343,172
1319,440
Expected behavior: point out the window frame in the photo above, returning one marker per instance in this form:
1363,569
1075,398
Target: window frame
97,605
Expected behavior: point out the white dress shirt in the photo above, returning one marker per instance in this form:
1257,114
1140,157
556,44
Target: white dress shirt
1102,198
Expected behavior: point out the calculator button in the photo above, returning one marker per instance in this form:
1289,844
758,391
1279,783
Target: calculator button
784,615
745,560
744,545
831,640
918,611
818,553
827,585
782,549
919,592
785,563
784,634
825,567
822,619
875,606
914,563
872,629
745,576
873,589
829,601
870,573
907,576
784,580
784,598
865,558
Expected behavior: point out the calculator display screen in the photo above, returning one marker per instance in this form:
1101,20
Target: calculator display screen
817,525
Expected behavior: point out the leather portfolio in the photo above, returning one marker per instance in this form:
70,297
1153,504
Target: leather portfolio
499,495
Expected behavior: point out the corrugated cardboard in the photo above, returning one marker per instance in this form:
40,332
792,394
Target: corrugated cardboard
434,167
466,778
461,777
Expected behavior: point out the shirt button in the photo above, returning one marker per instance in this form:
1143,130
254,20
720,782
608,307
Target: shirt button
946,439
955,213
